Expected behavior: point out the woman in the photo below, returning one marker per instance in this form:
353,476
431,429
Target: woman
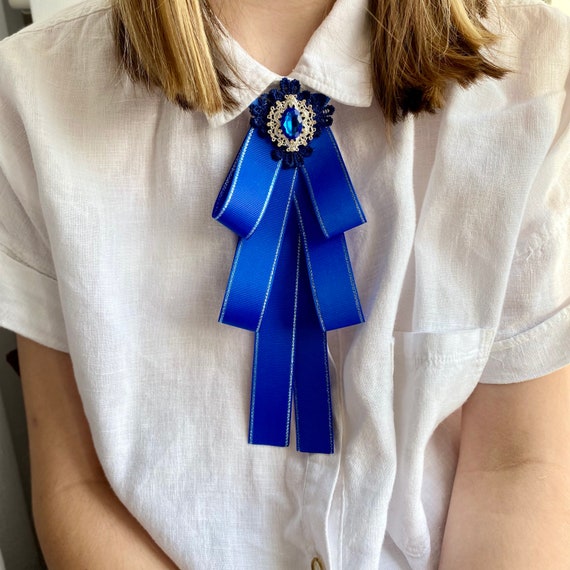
452,121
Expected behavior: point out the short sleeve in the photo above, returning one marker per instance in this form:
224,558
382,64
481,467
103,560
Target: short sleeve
29,296
533,338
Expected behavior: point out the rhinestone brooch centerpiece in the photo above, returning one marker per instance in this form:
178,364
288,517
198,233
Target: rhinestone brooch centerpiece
291,123
291,119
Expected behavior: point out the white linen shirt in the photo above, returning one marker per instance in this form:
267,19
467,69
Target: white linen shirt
108,251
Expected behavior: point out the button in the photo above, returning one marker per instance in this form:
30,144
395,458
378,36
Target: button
316,564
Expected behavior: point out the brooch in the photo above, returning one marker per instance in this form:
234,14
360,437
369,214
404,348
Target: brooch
291,119
289,198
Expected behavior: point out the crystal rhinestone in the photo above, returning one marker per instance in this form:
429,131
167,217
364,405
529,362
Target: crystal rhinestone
291,123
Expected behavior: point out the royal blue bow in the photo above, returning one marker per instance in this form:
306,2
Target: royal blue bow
290,199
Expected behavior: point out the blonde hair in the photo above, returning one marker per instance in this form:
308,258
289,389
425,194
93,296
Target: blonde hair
417,48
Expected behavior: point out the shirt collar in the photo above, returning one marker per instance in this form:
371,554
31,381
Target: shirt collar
336,62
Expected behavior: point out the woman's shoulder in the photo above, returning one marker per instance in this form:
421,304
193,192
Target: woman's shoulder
64,20
65,67
66,25
531,22
70,42
533,44
545,9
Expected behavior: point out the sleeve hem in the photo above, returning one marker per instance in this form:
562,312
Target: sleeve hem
30,304
531,354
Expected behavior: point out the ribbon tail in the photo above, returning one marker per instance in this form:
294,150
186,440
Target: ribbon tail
274,353
313,402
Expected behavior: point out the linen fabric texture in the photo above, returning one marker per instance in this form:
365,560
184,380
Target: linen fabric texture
108,251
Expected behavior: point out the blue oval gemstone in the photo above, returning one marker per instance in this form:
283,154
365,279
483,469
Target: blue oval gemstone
291,123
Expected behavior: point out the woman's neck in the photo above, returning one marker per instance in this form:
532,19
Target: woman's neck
274,32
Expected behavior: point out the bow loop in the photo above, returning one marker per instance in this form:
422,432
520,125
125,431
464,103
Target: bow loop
256,258
245,193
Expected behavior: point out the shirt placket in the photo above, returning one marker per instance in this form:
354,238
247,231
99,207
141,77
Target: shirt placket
322,495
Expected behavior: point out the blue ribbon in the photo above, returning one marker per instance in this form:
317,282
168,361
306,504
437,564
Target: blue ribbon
290,282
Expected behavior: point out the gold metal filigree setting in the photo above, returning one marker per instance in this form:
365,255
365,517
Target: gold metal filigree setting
307,120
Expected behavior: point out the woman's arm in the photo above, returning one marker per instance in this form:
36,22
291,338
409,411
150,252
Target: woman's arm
79,520
510,505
